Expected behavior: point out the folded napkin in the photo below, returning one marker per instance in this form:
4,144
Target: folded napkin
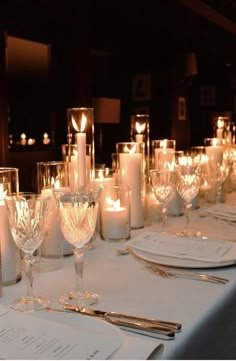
162,244
223,211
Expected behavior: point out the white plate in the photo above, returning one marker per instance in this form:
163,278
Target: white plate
181,262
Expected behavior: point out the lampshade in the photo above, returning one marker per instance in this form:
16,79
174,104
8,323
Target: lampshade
106,110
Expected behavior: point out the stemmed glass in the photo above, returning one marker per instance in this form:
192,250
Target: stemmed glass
188,179
27,214
163,186
78,217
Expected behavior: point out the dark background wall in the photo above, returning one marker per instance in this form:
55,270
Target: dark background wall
98,48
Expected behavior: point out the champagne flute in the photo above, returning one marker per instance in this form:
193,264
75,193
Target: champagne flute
27,213
188,178
163,186
78,217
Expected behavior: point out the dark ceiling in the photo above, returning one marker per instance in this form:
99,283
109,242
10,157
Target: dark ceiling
115,24
45,16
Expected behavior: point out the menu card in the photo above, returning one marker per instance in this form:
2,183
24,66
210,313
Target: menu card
181,247
23,337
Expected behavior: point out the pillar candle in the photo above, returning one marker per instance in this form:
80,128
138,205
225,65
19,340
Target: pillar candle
131,174
114,223
163,158
10,253
80,139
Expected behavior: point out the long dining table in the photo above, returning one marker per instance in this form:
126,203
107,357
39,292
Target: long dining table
207,311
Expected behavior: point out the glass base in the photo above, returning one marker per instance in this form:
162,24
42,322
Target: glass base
85,299
189,233
30,304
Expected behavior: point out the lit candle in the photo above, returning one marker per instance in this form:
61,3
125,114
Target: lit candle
140,128
31,141
131,174
46,139
23,139
164,157
114,221
220,128
54,244
80,138
215,152
10,254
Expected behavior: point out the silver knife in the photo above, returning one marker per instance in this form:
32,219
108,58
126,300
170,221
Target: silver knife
149,326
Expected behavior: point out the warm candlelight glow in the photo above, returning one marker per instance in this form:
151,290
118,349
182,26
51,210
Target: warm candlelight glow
140,128
46,139
114,204
3,192
220,123
83,123
163,144
130,150
31,141
185,160
23,140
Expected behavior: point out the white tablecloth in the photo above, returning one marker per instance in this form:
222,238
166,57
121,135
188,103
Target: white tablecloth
207,311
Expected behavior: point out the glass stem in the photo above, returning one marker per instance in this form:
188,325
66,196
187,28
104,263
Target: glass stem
29,260
164,217
188,207
79,268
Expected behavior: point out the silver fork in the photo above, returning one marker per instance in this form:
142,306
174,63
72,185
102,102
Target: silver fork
174,273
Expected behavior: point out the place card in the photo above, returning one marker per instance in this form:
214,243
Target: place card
182,247
23,337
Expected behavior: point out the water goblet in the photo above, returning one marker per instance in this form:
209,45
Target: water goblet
163,186
78,217
27,213
188,179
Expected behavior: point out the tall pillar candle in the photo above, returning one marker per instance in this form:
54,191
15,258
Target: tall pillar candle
130,164
10,253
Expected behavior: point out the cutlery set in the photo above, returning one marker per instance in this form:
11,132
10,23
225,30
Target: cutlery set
145,326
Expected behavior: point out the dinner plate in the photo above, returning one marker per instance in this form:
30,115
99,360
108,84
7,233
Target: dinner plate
184,252
180,262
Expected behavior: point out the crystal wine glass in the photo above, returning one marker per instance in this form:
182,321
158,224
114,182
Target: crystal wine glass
78,217
163,186
27,213
188,180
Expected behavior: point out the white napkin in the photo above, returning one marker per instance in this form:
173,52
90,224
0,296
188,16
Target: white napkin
223,211
184,247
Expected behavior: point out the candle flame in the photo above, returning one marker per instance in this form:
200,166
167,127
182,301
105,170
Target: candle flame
185,160
74,124
82,124
163,144
115,204
220,123
140,127
55,183
3,192
130,150
100,174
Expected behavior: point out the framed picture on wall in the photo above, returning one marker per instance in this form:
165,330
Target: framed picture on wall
181,108
141,87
